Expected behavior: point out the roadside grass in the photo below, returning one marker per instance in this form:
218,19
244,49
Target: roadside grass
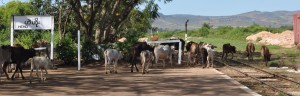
288,55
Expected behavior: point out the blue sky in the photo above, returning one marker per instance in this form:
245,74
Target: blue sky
222,7
226,7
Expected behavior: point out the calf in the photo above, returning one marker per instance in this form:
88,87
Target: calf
227,48
146,58
266,55
163,52
192,49
136,50
112,55
19,56
40,62
250,50
210,54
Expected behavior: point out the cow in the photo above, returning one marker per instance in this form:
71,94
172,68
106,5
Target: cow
250,49
227,48
265,53
176,44
146,58
19,55
193,51
210,54
163,52
40,62
202,53
112,56
135,51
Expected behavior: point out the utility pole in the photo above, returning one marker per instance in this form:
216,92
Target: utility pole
186,29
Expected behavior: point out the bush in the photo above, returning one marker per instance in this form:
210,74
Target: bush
66,51
89,48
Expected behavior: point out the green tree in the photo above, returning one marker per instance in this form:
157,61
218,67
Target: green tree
6,12
205,29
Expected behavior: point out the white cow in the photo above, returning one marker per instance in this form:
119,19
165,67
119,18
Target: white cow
210,57
40,62
112,55
163,52
146,58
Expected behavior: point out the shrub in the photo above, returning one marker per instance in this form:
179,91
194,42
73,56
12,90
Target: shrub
89,48
66,50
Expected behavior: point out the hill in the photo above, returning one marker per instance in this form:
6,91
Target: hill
274,19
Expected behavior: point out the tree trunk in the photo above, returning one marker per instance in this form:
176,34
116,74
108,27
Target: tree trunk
97,36
59,20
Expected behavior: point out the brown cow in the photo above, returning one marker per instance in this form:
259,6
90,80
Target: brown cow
266,55
250,50
192,49
227,48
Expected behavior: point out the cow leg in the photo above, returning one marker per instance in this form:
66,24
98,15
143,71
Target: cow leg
208,63
147,68
21,72
223,55
189,58
115,67
232,55
212,63
137,70
46,74
42,75
4,69
30,78
131,67
105,68
143,68
12,77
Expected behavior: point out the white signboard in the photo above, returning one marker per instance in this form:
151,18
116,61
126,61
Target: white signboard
32,22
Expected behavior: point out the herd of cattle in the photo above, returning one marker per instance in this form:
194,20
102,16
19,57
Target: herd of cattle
20,56
198,53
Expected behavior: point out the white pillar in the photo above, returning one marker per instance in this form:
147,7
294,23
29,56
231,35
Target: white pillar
78,33
179,54
52,38
12,31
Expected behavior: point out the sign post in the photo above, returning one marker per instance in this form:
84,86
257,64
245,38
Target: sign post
33,23
186,29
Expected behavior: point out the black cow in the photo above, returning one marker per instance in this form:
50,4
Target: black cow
19,55
136,50
227,48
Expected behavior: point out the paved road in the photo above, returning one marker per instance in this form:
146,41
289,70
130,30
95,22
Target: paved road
159,82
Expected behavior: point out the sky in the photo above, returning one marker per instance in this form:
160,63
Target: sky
226,7
221,7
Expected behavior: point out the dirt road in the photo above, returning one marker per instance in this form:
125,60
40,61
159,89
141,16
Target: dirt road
94,81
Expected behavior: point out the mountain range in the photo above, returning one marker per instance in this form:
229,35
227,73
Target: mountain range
177,21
